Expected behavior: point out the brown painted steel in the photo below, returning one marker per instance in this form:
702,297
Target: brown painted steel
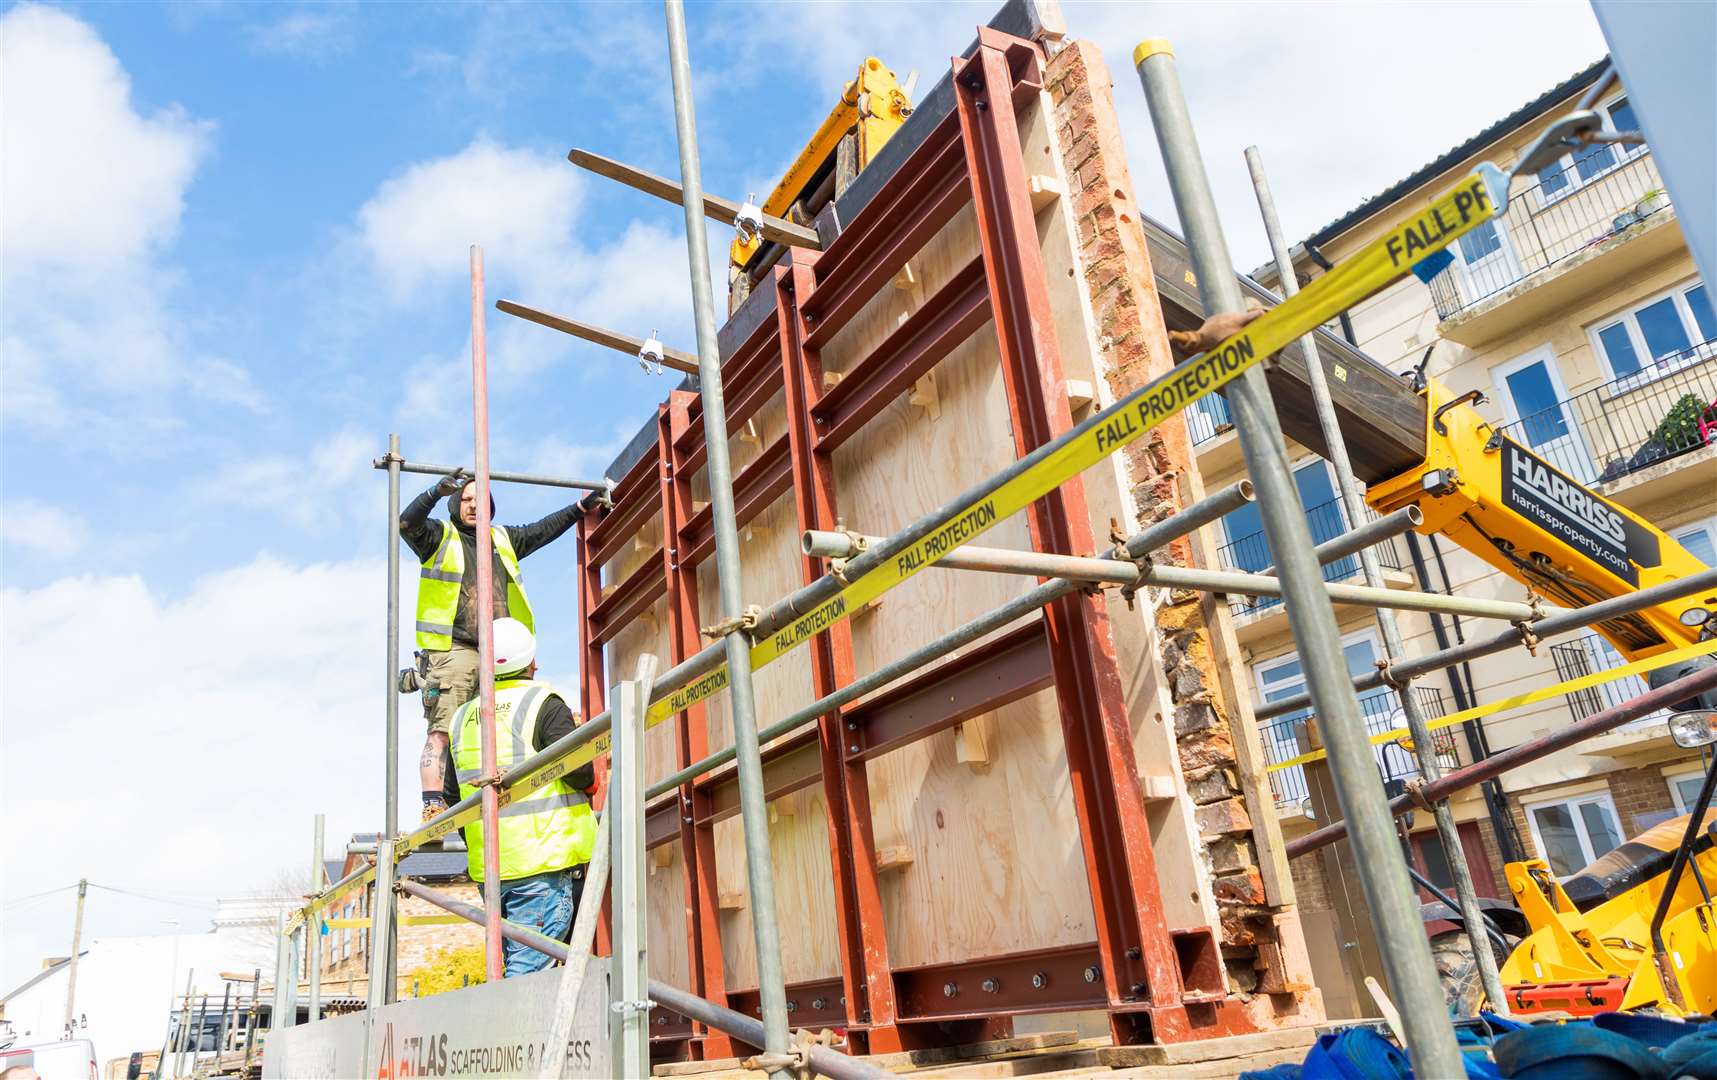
931,333
629,599
749,378
1138,955
634,502
755,488
916,202
846,787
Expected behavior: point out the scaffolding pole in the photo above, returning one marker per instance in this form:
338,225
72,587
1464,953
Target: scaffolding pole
503,477
494,965
1560,738
754,811
1424,748
1559,623
822,1059
390,688
1407,953
313,942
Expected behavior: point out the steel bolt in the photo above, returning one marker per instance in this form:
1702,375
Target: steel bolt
853,749
949,989
1091,973
991,986
819,1004
1039,980
661,1021
851,726
1132,952
1138,988
792,1006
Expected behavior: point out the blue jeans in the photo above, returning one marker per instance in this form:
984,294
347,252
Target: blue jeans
544,902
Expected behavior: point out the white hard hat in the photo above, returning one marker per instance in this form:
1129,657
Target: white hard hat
515,646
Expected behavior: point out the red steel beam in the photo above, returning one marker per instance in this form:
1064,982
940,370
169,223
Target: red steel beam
1140,967
757,486
945,320
697,845
917,201
756,378
846,788
634,502
629,599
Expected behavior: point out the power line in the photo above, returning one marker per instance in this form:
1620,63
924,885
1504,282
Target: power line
158,899
37,896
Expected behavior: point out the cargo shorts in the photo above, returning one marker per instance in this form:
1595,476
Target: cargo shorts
449,682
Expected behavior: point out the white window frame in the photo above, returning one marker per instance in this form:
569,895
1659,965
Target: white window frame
1545,353
1623,152
1708,526
1693,772
1629,320
1573,802
1259,667
1512,269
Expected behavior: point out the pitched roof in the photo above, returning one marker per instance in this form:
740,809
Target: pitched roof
1528,112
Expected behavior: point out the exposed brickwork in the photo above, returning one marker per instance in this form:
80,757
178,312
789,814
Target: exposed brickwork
1641,795
416,943
1134,347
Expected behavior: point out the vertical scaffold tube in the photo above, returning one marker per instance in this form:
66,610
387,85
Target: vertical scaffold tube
753,811
1407,953
494,964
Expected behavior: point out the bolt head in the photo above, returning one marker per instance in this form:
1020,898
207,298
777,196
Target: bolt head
819,1004
1138,988
1133,952
991,986
1039,980
792,1006
1091,973
949,989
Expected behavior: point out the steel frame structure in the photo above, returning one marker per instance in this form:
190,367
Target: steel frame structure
1156,982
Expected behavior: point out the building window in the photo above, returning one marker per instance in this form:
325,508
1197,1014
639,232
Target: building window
1700,540
1670,330
1684,789
1574,171
1570,832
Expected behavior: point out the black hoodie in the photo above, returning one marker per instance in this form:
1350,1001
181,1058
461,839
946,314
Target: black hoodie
423,536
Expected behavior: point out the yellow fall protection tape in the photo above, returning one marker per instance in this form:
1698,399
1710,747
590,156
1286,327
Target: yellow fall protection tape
404,920
1461,209
1622,671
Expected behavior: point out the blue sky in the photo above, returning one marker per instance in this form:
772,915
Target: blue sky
235,258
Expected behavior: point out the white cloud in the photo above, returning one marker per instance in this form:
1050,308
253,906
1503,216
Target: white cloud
323,487
316,34
519,204
209,727
41,529
91,184
1342,98
95,194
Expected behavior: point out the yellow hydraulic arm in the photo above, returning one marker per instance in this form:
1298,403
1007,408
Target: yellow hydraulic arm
871,108
1516,511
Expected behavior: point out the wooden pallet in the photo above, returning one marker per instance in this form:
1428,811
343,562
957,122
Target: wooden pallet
1056,1054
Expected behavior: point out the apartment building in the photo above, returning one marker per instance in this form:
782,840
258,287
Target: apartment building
1582,318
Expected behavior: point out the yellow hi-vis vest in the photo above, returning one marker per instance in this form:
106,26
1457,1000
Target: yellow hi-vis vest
550,829
438,588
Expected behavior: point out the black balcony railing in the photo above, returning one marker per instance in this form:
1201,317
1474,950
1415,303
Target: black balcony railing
1382,712
1586,655
1604,193
1251,553
1207,418
1660,411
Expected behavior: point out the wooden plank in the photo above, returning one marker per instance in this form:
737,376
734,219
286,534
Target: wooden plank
775,230
678,359
1382,418
1219,1049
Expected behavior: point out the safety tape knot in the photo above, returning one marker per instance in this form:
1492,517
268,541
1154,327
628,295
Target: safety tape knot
1386,672
745,620
1415,790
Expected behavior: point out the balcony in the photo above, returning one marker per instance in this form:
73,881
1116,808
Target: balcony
1382,712
1586,655
1610,197
1635,431
1251,554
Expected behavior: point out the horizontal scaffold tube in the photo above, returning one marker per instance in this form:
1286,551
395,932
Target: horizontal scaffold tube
507,477
1156,536
1115,572
1559,623
825,1060
1371,533
1163,532
1515,756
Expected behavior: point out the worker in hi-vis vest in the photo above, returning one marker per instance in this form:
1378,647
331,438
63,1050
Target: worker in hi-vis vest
546,837
446,669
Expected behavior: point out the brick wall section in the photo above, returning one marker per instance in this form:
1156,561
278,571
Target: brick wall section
1134,345
416,943
1638,793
